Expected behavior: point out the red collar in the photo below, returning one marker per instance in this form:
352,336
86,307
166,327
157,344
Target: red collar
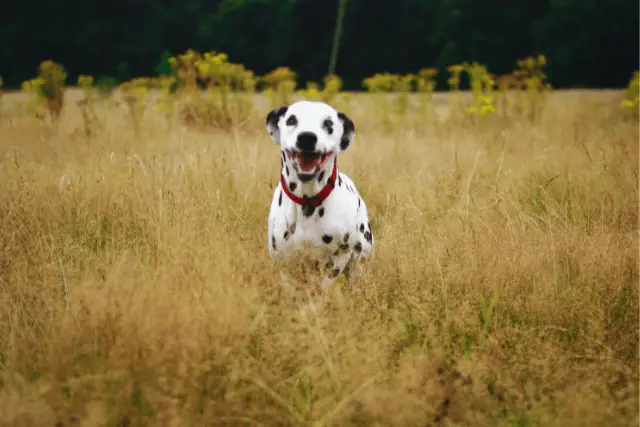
316,200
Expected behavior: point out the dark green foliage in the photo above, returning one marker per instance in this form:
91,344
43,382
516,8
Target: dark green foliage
163,68
590,43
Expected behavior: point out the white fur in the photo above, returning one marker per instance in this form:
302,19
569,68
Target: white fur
344,214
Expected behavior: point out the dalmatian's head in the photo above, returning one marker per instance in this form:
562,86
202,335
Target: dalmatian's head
310,134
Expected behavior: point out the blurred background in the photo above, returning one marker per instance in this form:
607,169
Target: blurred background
588,43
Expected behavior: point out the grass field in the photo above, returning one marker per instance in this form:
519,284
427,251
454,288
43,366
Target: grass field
136,288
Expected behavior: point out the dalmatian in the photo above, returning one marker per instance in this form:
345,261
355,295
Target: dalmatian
315,205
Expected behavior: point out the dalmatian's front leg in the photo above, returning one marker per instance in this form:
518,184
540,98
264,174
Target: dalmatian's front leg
336,265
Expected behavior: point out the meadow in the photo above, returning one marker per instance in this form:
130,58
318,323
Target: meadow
136,287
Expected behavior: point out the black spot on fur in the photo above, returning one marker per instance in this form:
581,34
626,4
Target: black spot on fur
292,228
348,130
362,228
273,242
343,247
358,247
346,237
367,236
340,181
327,125
329,264
359,202
292,120
293,186
286,169
286,235
334,273
280,199
321,212
308,210
327,239
321,176
274,116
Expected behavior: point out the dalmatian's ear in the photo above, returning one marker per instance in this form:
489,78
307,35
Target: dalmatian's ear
349,130
272,123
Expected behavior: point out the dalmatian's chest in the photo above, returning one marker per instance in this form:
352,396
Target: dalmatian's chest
330,228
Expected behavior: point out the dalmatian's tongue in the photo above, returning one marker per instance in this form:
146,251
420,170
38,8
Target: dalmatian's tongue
307,164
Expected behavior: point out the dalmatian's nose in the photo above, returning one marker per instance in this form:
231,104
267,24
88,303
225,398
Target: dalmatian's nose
306,141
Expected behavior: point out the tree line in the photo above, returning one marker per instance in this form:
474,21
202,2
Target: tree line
588,43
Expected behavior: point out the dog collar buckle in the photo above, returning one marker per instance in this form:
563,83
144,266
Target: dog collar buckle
314,201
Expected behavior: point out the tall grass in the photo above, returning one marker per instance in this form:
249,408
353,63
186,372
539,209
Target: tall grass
136,289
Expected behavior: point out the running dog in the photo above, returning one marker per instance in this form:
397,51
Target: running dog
314,203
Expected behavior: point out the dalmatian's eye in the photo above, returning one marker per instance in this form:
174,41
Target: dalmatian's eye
292,121
328,126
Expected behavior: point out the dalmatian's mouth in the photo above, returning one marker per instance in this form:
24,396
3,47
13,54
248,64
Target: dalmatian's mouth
308,162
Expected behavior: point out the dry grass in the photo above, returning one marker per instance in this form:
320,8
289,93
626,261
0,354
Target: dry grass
136,289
